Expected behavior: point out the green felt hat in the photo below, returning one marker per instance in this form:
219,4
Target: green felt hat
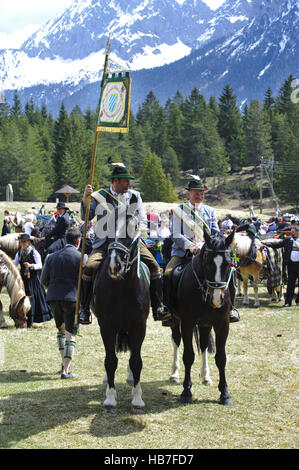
196,183
120,171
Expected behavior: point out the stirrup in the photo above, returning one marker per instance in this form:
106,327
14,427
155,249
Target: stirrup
85,317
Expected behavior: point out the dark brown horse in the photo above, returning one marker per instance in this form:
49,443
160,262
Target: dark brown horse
202,298
121,304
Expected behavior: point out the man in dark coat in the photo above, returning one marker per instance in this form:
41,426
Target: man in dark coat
55,240
60,275
291,260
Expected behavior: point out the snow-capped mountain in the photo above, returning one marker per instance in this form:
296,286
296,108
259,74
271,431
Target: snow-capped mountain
242,41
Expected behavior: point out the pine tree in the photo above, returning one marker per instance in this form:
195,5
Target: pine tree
154,185
16,109
258,134
61,139
230,127
284,104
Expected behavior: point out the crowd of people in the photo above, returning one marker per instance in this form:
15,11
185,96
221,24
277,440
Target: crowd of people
54,293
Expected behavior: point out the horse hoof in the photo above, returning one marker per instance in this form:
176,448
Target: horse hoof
130,382
186,400
138,410
207,382
110,409
174,380
226,400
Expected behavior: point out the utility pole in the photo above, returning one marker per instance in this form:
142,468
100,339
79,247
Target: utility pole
261,187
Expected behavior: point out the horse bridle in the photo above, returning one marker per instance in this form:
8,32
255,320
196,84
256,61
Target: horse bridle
116,245
212,284
16,315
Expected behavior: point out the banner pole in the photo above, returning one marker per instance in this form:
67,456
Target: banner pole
91,175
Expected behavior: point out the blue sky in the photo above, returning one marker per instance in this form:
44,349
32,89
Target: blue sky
20,18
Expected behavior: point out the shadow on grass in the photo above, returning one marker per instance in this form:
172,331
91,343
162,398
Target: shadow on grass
29,413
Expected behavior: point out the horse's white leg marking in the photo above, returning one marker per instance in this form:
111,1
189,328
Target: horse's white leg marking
175,368
205,371
110,401
217,292
130,378
137,397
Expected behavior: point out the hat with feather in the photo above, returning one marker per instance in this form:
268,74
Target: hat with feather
120,171
196,183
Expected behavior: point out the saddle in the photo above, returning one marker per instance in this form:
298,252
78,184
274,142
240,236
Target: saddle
171,287
251,255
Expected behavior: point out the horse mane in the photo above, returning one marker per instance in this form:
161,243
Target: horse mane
9,244
11,279
243,243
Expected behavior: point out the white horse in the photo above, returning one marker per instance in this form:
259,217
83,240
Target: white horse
19,302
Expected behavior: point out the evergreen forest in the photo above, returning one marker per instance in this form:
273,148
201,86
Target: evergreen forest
40,154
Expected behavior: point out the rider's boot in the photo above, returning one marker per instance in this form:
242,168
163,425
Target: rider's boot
160,311
85,297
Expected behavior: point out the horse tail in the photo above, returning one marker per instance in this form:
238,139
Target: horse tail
196,337
211,341
122,341
211,344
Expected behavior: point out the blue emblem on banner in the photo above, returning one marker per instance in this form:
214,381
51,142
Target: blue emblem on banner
112,102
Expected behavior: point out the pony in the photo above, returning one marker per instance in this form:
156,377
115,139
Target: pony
266,262
121,303
202,298
20,303
249,266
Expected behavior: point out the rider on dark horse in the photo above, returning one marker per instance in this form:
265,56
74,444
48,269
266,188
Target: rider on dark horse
55,240
102,203
188,223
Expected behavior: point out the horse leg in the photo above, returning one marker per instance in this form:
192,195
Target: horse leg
239,282
176,340
188,359
220,360
130,378
256,289
245,289
3,324
135,363
204,343
111,361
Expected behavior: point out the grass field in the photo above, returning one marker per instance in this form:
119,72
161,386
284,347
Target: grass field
40,411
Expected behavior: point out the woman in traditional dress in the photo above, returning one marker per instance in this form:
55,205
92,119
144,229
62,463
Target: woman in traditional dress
30,262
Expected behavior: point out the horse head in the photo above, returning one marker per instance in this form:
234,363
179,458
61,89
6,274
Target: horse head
216,265
19,312
123,242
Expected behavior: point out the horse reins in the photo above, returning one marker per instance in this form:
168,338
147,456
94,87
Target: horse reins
212,284
116,245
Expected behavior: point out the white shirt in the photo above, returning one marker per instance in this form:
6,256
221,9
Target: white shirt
227,223
295,254
163,232
37,259
28,226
